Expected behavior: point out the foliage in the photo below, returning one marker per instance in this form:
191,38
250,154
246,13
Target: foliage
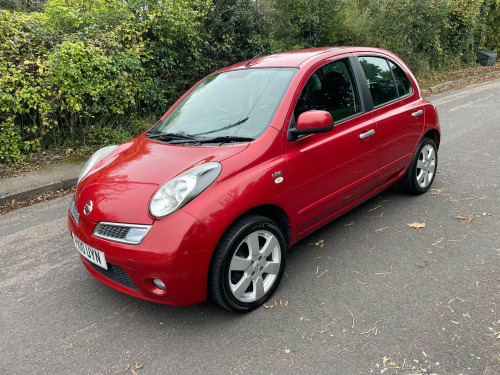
491,35
78,73
305,23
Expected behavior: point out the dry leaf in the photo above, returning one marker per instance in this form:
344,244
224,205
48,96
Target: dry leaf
385,360
270,306
438,241
465,218
436,191
322,273
416,225
324,331
320,243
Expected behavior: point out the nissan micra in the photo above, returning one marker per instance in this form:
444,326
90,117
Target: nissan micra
249,161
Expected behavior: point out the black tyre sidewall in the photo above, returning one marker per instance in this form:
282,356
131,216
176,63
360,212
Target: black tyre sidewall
409,182
228,246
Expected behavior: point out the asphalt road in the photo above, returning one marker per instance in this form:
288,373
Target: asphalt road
364,293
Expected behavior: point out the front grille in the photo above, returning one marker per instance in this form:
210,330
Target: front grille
112,231
131,234
116,274
74,211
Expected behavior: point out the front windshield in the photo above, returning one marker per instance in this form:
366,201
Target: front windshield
238,103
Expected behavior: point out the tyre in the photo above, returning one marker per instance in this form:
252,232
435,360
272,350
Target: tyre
422,170
248,264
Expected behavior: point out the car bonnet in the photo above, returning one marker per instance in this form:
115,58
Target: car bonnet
122,184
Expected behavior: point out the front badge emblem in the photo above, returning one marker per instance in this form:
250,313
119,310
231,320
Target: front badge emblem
87,209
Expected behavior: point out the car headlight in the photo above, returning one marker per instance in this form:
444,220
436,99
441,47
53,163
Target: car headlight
94,159
183,188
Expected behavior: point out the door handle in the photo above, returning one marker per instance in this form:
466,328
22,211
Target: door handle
418,113
367,134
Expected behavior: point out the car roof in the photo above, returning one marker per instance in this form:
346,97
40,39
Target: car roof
295,58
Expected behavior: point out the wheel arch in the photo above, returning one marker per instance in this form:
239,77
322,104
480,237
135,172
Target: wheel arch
276,214
434,135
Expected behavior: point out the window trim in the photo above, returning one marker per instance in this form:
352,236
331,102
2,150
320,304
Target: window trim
364,103
394,78
365,82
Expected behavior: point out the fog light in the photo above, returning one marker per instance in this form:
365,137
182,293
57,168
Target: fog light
159,284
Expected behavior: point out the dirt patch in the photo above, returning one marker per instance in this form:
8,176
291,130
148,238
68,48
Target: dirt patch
10,206
39,160
437,83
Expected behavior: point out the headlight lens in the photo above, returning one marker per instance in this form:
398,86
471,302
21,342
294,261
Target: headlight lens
183,188
74,212
94,159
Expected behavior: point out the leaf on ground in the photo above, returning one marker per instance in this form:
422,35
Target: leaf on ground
438,241
436,191
280,304
465,218
416,225
487,214
320,243
322,273
270,306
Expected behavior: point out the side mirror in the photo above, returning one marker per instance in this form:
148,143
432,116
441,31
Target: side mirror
312,122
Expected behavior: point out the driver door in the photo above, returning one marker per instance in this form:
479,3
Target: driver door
329,171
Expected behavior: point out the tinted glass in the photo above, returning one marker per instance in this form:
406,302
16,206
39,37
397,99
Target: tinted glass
379,79
236,103
331,88
402,81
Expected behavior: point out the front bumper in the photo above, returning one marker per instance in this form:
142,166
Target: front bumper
177,250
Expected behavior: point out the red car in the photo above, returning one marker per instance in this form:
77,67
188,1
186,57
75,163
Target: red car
249,161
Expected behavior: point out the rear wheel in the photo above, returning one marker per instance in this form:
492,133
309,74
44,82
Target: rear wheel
248,264
422,170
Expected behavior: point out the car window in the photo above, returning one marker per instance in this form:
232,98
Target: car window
234,103
379,79
402,81
331,88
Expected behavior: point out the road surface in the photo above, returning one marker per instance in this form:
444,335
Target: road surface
366,294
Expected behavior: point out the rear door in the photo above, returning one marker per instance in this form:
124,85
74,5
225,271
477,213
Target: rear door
398,112
331,170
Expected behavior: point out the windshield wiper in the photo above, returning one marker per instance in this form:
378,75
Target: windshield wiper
226,127
171,137
179,138
225,139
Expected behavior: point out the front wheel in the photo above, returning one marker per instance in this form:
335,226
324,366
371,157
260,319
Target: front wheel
422,170
248,264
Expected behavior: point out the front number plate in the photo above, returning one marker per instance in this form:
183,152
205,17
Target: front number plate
92,255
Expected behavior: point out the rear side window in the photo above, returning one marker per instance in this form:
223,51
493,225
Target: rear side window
331,88
379,79
402,81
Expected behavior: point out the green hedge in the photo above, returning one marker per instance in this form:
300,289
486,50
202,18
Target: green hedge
88,72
